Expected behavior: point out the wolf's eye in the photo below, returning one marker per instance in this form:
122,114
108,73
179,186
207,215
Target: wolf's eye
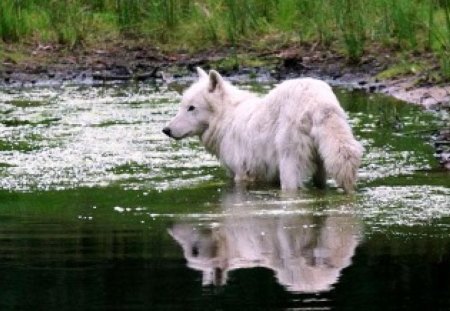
191,108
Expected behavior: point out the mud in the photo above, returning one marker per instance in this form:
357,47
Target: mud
47,65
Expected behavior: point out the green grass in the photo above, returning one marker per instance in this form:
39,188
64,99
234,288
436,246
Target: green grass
349,26
401,69
236,61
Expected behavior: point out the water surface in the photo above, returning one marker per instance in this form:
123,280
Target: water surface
100,211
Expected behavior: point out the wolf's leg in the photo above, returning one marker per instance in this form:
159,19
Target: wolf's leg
320,174
290,178
242,177
295,150
295,167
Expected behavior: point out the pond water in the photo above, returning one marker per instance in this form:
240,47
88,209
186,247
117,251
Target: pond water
100,211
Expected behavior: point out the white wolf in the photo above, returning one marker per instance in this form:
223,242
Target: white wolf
296,131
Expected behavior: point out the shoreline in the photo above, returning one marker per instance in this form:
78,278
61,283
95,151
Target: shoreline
52,67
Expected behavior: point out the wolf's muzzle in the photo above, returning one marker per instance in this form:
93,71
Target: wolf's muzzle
167,131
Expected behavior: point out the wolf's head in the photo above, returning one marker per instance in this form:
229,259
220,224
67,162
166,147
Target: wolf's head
198,105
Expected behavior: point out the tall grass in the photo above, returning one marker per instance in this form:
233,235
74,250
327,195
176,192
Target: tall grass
349,26
352,27
445,41
66,21
11,21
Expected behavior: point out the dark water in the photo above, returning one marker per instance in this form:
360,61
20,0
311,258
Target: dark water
99,211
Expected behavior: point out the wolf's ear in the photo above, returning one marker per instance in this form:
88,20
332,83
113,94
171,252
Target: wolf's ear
201,73
215,81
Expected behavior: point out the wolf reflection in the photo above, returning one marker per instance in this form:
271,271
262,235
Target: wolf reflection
306,252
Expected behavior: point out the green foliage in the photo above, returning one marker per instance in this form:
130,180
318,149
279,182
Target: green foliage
347,25
351,23
66,22
400,69
11,21
404,15
286,15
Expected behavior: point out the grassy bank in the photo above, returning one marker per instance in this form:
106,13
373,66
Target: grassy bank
350,27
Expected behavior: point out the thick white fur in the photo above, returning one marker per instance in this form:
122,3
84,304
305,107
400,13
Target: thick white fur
296,131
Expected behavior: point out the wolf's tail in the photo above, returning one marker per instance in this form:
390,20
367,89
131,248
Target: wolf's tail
340,151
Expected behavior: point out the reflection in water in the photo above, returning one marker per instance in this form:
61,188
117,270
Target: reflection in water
306,252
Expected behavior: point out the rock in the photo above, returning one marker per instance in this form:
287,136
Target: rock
362,82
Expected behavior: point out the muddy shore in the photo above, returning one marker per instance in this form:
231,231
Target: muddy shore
48,65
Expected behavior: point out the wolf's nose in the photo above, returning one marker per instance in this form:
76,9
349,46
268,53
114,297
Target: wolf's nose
167,131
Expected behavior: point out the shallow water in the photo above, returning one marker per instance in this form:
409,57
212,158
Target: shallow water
100,211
